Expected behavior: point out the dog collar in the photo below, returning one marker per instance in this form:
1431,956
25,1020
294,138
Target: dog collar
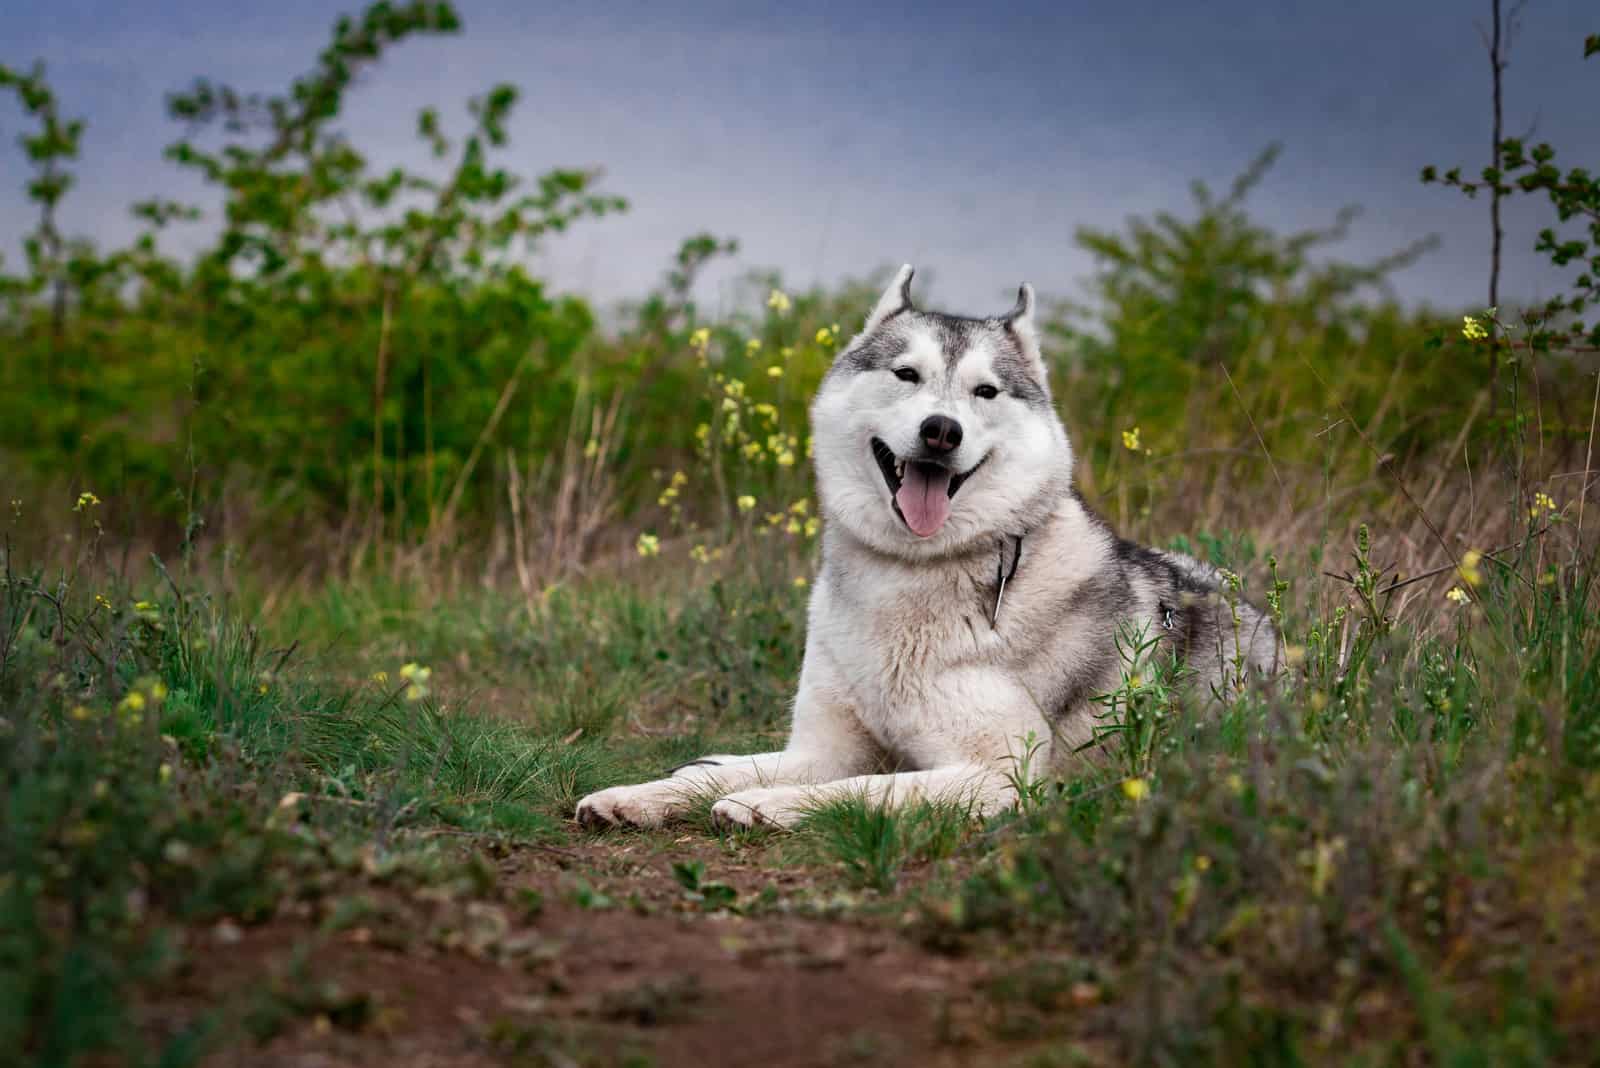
1002,576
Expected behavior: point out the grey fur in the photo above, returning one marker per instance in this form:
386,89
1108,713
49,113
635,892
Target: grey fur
907,666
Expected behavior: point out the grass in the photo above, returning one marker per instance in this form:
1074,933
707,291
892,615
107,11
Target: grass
872,843
1393,852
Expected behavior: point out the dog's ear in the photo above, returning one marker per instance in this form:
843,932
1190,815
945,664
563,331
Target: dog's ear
1019,320
895,299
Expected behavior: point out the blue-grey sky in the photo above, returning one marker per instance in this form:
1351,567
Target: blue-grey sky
832,139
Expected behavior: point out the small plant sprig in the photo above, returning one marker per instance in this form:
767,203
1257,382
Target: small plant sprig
1139,712
1365,583
1032,788
705,894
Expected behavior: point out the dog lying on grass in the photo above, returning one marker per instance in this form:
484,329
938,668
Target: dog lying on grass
969,605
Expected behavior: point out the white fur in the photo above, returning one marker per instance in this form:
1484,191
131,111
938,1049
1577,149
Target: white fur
907,692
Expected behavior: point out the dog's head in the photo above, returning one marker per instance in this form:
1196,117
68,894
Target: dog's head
932,431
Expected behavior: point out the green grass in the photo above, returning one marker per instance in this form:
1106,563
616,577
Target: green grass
873,844
1389,852
1380,840
153,748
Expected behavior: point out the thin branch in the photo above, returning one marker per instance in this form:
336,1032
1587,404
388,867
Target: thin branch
1383,461
1282,489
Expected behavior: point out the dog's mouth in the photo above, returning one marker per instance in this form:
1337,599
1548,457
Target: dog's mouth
921,489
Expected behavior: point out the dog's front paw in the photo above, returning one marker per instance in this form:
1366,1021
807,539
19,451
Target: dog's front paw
648,805
780,806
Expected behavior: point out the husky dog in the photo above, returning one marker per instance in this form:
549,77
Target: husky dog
969,604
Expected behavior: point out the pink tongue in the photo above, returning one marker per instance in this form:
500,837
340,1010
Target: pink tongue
924,498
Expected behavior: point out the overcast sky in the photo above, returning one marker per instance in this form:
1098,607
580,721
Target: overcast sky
832,139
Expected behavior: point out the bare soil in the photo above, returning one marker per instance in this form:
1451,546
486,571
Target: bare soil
806,973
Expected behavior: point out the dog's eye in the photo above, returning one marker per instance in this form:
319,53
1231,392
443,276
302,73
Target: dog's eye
986,391
906,374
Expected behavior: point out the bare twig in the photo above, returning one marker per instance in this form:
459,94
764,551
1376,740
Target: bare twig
1431,572
483,437
1282,489
1588,456
1384,462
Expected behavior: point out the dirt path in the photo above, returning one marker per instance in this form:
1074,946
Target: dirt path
618,964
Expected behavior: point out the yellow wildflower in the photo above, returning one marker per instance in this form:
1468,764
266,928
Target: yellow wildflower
648,545
700,339
1471,329
591,449
751,450
775,371
164,773
786,458
702,431
132,701
746,502
1458,595
729,404
1130,439
769,412
778,301
800,582
800,507
85,500
158,691
1135,789
792,527
100,600
415,692
380,677
414,672
700,554
824,336
811,527
80,712
1542,503
753,345
1469,567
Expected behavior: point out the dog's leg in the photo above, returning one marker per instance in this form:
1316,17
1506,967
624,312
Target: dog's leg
826,742
653,803
975,737
981,790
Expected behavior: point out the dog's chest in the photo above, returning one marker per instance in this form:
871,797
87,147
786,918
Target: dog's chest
897,640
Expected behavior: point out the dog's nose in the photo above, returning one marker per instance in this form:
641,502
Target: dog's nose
940,433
